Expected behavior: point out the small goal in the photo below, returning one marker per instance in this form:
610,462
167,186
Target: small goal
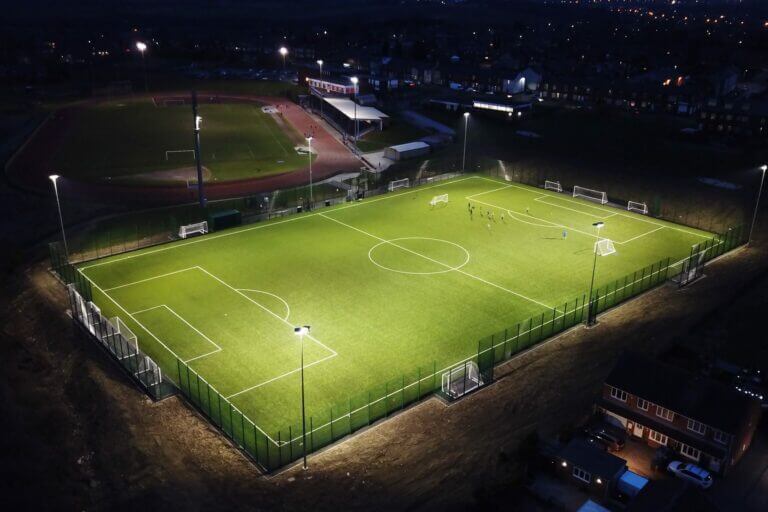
195,228
178,152
604,247
633,206
553,185
442,198
396,184
460,380
593,195
128,336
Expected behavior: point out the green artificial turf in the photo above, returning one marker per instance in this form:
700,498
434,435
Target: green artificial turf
390,286
127,140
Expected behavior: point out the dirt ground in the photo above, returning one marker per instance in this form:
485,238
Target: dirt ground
77,435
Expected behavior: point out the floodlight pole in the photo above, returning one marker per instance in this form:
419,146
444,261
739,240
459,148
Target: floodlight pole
759,193
354,81
196,119
142,47
54,178
302,331
311,196
320,63
464,154
590,319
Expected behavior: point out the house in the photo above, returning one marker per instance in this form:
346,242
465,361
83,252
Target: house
670,495
590,467
526,80
704,421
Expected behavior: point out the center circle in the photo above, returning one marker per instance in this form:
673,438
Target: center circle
420,252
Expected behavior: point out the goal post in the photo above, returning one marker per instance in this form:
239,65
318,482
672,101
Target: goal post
442,198
195,228
461,379
396,184
178,152
126,334
592,195
634,206
553,185
604,247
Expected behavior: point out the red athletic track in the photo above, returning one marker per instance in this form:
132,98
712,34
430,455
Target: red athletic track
31,165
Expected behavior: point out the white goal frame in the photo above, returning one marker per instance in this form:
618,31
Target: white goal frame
634,206
396,184
189,229
588,193
442,198
553,185
604,247
173,151
462,379
127,335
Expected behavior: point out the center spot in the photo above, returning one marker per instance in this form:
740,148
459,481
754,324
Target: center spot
418,255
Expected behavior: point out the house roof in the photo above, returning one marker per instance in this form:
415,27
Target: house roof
409,146
348,108
693,396
592,459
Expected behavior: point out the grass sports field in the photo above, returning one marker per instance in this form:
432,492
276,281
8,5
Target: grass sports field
387,284
140,141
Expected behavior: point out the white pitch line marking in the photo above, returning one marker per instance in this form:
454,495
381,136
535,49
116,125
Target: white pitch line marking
170,310
591,215
273,379
285,303
148,279
460,271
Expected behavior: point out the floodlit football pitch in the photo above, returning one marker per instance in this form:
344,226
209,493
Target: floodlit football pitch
388,285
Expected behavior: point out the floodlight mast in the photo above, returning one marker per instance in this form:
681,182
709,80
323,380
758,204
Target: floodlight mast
320,63
757,204
311,196
54,178
592,319
302,331
198,162
464,153
142,47
354,81
283,52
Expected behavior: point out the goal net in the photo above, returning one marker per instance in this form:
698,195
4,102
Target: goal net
553,185
605,247
460,380
396,184
637,207
131,342
592,195
179,154
191,229
442,198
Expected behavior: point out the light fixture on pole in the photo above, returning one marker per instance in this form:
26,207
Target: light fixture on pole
302,331
759,193
354,81
592,319
54,178
142,47
464,154
283,52
311,197
320,63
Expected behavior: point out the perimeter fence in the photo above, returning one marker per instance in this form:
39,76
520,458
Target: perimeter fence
273,450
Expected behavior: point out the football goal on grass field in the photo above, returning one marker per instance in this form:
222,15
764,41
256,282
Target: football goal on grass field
397,294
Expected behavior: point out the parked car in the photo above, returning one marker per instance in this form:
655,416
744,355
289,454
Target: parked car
608,440
691,473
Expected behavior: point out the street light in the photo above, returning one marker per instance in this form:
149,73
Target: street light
142,47
311,197
54,178
464,155
590,319
283,52
354,81
301,331
759,193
